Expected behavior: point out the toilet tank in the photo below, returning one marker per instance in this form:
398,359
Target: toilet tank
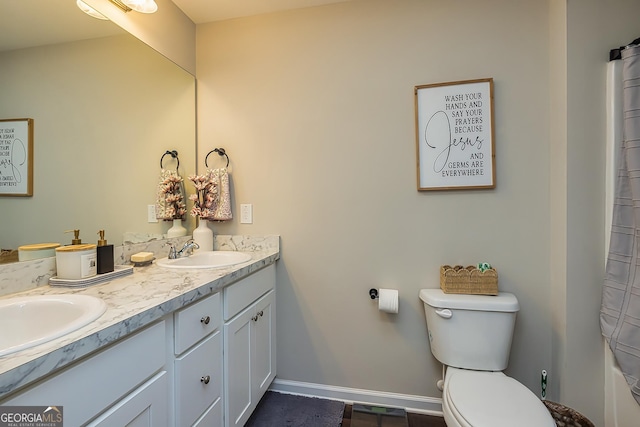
470,331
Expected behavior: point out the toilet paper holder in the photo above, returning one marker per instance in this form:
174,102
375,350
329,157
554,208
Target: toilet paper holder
387,299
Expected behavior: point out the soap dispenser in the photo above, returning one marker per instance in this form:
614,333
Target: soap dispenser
76,237
105,255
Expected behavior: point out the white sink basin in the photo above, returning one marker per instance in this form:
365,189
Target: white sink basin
208,259
32,320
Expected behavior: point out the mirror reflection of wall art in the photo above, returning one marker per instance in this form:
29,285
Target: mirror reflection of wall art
454,135
16,157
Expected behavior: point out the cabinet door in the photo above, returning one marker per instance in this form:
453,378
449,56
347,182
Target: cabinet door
264,345
145,407
237,374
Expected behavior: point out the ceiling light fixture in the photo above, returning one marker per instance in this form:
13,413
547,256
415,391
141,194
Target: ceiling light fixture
90,11
142,6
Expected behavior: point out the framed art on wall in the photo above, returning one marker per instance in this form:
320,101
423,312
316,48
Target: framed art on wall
16,157
455,145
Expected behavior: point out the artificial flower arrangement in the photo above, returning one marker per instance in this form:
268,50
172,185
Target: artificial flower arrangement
171,188
204,199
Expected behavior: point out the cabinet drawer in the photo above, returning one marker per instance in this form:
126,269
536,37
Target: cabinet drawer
109,375
194,392
196,321
241,294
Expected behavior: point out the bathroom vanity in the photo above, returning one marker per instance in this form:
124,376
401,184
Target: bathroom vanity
249,343
174,348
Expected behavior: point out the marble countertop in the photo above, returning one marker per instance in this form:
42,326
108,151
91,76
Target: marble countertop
133,302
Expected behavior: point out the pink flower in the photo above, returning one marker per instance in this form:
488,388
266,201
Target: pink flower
204,198
171,187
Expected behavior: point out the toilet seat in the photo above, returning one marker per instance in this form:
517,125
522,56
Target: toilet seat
491,399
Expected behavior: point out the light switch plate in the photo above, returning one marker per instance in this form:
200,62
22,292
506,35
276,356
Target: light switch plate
151,213
246,213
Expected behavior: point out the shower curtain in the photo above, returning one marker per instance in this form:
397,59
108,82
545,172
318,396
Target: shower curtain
620,311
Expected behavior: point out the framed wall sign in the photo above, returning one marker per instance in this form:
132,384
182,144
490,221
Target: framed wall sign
454,135
16,157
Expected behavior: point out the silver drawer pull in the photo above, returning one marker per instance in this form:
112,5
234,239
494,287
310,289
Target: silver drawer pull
205,320
205,379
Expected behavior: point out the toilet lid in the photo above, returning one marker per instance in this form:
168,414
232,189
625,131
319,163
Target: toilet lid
494,399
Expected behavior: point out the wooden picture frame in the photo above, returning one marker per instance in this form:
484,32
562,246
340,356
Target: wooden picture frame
455,144
16,157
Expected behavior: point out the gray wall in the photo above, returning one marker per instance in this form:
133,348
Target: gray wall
315,108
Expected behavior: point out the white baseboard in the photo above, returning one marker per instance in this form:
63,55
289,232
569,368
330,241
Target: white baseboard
411,403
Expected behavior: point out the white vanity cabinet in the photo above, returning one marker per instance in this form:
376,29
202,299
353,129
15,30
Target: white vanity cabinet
249,343
127,377
205,365
198,364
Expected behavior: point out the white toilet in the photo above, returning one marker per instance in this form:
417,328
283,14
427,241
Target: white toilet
471,336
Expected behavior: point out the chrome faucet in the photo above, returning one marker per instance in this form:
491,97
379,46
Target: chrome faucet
186,250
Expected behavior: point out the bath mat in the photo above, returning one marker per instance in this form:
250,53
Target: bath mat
288,410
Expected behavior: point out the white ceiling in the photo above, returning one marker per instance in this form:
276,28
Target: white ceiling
28,23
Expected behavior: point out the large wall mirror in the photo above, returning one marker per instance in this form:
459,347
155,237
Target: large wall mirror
106,107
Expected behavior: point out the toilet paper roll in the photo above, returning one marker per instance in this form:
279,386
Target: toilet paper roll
388,300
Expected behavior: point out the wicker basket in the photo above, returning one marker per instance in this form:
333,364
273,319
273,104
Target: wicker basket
468,280
566,417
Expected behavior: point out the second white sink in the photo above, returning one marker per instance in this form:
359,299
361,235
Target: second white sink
208,259
32,320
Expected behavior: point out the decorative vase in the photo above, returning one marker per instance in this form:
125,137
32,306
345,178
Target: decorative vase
177,230
203,236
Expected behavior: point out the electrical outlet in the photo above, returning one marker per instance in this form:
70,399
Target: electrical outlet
246,213
151,213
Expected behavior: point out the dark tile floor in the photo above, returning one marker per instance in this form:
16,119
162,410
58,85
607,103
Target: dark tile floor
415,420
